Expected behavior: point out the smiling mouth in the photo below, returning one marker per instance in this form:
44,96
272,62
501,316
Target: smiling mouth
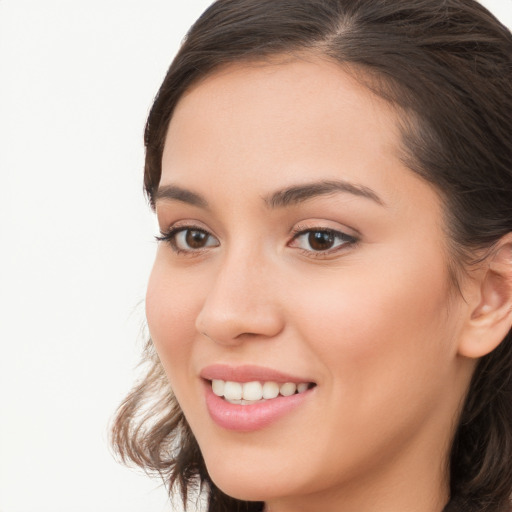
248,393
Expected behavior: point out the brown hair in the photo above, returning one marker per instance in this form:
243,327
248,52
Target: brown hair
446,65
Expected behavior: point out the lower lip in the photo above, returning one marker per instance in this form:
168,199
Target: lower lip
247,418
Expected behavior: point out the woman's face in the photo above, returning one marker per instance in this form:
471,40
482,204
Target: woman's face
299,249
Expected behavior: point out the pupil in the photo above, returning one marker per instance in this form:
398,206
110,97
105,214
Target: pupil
321,240
195,239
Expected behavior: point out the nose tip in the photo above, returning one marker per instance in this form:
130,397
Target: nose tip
237,309
228,325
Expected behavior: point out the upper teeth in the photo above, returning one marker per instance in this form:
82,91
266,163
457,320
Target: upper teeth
253,391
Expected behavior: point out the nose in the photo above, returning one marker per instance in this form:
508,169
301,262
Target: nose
242,303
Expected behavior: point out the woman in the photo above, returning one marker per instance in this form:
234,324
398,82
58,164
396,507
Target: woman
331,300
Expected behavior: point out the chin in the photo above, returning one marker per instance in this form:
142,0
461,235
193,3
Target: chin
247,484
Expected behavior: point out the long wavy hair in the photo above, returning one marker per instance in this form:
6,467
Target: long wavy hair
446,67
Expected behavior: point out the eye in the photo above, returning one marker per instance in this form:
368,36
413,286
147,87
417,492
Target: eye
188,239
321,240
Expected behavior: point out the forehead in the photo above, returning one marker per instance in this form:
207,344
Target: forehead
281,105
307,87
260,126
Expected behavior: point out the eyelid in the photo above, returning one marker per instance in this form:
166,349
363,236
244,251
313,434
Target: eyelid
169,236
325,225
348,240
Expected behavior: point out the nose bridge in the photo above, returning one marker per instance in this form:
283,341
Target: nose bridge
241,299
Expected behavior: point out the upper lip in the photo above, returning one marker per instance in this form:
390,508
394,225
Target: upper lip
248,373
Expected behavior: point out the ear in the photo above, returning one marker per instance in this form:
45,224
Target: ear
490,317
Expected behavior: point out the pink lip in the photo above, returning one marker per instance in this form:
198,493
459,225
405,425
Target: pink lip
247,418
248,373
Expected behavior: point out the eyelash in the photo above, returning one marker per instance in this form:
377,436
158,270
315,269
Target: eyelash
169,237
347,240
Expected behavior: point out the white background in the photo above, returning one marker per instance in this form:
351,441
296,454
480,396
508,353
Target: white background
76,82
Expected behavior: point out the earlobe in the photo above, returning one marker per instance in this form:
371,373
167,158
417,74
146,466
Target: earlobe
491,317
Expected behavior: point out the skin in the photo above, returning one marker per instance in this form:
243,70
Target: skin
375,323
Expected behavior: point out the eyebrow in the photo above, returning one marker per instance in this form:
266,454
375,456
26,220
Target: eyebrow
175,193
300,193
280,199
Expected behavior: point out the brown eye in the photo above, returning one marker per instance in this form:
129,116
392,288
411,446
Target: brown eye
189,239
196,239
321,240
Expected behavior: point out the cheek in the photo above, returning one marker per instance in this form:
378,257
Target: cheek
385,340
380,324
171,313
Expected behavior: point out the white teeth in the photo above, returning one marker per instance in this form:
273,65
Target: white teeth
302,387
270,390
232,390
242,402
288,389
251,392
218,387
